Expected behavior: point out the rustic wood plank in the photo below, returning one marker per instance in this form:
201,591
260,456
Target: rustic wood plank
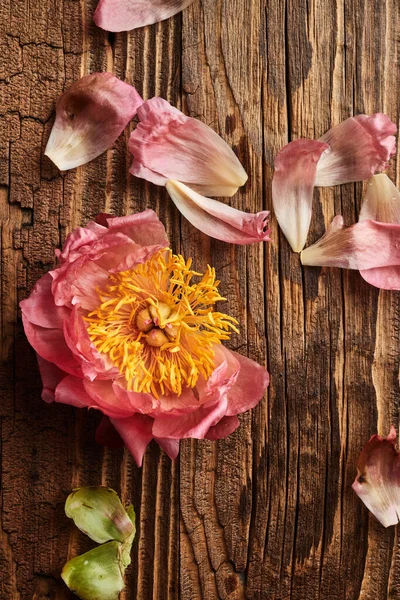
267,514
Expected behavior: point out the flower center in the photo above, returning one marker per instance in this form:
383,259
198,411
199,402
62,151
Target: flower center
157,325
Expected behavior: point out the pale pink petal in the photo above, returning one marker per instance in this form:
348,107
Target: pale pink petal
225,427
359,147
39,308
249,388
107,435
175,146
293,187
364,245
51,376
50,345
71,391
136,434
124,15
90,116
193,425
103,396
143,228
219,220
382,203
378,478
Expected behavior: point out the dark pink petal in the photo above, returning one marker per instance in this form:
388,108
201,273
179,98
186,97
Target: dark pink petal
364,245
378,478
166,144
39,308
359,147
51,376
170,447
293,186
219,220
90,116
136,434
249,388
50,345
225,427
124,15
107,435
382,203
71,391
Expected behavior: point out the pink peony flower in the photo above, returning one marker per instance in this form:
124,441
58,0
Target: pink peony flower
378,478
124,326
351,151
124,15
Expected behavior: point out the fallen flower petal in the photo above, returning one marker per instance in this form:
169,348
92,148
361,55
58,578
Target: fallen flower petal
167,144
219,220
124,15
364,245
140,340
293,186
359,147
378,478
382,203
90,116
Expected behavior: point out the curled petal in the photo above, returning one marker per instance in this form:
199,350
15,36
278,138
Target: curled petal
217,219
378,478
359,147
167,144
382,203
40,308
293,186
252,381
90,116
223,428
51,376
364,245
124,15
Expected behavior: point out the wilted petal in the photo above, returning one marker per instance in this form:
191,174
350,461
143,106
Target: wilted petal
293,186
359,147
219,220
167,144
378,478
364,245
124,15
382,203
90,116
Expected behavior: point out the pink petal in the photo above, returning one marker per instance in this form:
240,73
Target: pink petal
293,186
378,478
193,425
170,447
225,427
136,434
90,116
124,15
50,345
144,228
79,241
359,147
171,145
39,308
51,376
71,391
103,397
107,435
249,388
364,245
77,283
217,219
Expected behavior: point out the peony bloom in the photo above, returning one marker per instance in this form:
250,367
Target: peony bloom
90,116
124,326
124,15
378,478
352,151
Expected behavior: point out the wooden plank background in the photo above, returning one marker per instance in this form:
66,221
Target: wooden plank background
267,514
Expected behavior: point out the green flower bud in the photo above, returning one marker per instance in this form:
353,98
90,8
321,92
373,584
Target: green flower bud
98,512
96,575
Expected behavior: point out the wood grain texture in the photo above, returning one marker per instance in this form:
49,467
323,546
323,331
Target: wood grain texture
268,513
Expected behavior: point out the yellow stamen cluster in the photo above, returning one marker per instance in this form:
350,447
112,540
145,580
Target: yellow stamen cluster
157,325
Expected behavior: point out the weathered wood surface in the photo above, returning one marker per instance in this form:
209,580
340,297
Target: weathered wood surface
267,514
